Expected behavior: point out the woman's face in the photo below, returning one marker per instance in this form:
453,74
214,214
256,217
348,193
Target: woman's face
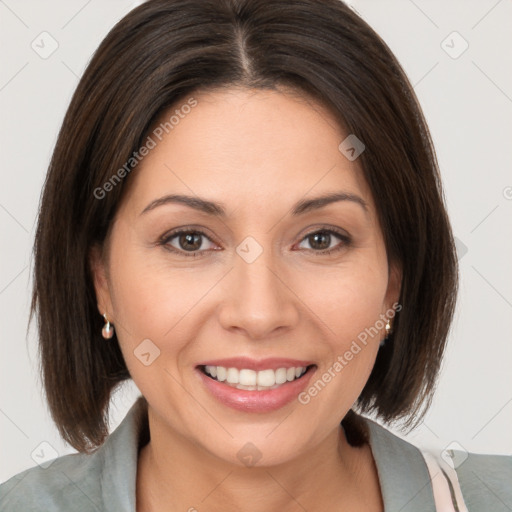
250,285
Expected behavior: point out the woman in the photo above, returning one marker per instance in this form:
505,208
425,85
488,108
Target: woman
244,215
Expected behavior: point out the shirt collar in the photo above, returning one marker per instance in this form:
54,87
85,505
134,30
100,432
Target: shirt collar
120,453
403,475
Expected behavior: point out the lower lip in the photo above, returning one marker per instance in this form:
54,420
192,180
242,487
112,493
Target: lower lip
256,401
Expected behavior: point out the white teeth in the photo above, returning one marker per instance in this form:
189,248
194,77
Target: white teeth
232,376
247,377
253,380
266,378
281,376
212,370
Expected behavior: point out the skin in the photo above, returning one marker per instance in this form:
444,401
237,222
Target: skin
258,153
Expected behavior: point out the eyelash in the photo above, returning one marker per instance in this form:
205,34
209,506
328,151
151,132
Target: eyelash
165,239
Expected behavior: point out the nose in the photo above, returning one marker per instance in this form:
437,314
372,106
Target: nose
259,300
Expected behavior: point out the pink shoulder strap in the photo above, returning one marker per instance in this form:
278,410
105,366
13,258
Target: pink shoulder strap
445,484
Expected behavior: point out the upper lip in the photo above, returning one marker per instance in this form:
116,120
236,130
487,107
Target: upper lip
271,363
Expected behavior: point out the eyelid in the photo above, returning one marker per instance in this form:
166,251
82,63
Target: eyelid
189,228
311,230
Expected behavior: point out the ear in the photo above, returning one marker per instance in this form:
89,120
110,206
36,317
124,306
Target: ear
99,274
394,285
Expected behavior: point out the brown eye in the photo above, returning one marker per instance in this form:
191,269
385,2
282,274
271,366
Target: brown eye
190,241
193,242
322,241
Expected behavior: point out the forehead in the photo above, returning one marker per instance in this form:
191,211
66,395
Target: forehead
249,147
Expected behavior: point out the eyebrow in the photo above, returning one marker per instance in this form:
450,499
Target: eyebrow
218,209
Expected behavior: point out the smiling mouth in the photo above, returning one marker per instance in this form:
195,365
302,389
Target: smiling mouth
252,380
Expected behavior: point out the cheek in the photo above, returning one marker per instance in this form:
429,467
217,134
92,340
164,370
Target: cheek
156,300
349,302
150,304
148,298
138,296
348,299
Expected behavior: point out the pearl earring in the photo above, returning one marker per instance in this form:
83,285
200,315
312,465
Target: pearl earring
108,329
388,332
388,328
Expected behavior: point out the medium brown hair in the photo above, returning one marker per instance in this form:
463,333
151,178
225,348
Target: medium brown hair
155,56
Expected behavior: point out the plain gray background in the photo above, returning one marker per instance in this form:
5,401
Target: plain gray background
466,94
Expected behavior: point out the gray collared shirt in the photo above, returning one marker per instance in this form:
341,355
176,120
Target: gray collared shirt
106,479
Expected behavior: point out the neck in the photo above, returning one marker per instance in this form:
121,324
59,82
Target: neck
175,474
